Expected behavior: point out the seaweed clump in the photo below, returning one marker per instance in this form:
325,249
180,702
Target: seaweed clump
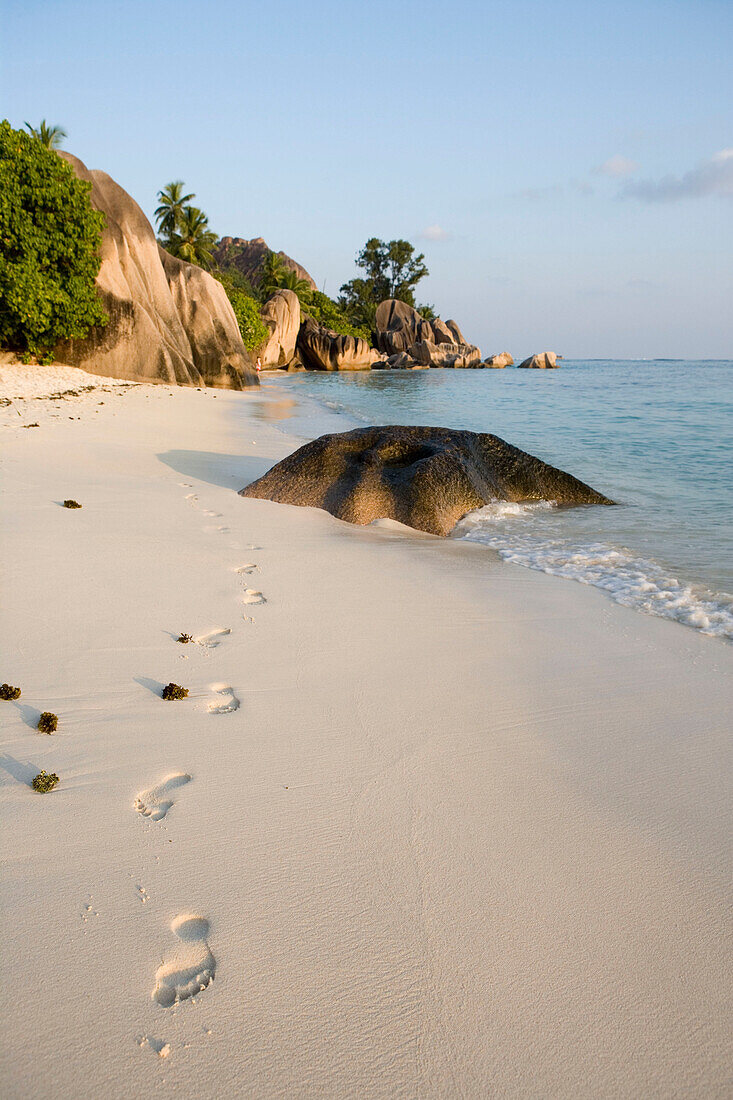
7,691
174,691
48,722
72,504
45,782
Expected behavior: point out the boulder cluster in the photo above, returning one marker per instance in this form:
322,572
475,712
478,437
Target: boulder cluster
405,341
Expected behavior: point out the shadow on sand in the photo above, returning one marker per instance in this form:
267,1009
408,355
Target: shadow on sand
226,471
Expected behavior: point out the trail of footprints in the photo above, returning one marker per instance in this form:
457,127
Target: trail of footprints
191,967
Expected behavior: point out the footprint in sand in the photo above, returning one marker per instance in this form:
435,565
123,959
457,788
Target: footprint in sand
191,969
208,512
156,802
213,637
246,569
191,498
252,596
221,530
228,701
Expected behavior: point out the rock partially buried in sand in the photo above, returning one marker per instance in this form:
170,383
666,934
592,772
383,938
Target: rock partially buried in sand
427,478
543,361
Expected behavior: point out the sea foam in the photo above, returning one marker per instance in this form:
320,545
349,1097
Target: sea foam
629,580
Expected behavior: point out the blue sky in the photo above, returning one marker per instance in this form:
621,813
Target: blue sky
562,164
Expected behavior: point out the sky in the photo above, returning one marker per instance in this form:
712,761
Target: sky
566,167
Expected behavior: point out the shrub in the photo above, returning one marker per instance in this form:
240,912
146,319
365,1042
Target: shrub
45,782
184,638
49,247
330,314
48,722
246,308
174,691
8,692
72,504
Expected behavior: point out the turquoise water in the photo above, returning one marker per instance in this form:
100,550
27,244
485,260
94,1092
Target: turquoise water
657,436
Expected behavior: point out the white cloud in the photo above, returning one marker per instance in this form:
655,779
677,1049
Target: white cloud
616,166
712,177
434,233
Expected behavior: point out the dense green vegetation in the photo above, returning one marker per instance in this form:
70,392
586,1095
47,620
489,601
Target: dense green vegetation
49,247
330,314
391,270
246,308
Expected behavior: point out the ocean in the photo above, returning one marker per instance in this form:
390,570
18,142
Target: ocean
656,436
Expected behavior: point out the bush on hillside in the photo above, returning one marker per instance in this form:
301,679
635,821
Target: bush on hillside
49,247
246,308
328,313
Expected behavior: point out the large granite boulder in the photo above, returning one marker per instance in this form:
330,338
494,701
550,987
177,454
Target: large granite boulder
543,361
168,321
428,478
281,315
496,362
248,258
321,349
428,354
400,328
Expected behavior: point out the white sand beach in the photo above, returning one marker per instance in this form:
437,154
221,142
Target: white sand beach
428,824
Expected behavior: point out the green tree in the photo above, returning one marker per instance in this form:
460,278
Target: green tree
193,241
391,270
276,276
169,212
49,247
50,136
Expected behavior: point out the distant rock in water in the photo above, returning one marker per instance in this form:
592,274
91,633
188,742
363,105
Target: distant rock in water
496,362
248,257
401,329
281,315
321,349
427,478
169,321
543,361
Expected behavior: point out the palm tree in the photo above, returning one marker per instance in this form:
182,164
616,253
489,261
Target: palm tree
273,270
193,241
289,280
50,136
169,213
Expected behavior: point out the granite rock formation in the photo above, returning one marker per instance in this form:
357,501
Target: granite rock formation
168,321
281,315
428,478
496,362
247,257
543,361
400,328
321,349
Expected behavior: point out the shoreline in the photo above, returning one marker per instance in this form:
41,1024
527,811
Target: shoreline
465,832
